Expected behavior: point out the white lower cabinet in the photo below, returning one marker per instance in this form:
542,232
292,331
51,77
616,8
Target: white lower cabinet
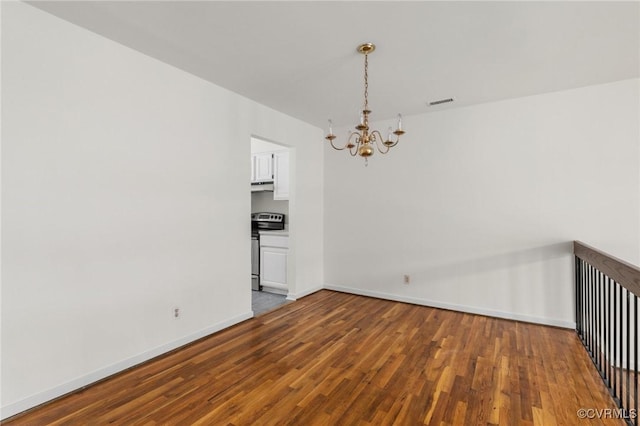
273,263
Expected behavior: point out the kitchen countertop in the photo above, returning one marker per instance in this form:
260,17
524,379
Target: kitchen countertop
282,233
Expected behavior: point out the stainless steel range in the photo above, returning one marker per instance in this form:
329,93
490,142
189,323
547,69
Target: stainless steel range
264,221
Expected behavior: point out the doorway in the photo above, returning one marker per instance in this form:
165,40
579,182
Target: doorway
270,213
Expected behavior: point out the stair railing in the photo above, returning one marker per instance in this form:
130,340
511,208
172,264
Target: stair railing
606,290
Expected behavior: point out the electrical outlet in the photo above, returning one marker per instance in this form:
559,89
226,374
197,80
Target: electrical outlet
176,313
407,279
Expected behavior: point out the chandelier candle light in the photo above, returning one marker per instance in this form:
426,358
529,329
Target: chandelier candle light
363,140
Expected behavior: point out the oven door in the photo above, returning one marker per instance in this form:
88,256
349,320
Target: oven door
255,263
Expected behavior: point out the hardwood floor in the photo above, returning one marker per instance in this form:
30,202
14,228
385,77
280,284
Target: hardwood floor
339,359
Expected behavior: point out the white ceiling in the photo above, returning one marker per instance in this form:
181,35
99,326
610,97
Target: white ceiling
300,57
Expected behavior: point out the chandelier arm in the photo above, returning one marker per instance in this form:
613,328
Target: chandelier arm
379,139
335,147
346,143
354,149
395,143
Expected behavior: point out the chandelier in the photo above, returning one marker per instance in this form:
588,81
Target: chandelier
362,141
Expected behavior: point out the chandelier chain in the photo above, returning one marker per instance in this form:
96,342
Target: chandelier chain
366,82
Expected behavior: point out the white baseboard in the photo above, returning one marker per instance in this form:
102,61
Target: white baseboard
76,384
453,307
296,296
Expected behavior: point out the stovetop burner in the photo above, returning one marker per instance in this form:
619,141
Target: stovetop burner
267,221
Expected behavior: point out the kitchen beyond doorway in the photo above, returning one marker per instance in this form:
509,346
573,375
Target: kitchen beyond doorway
270,176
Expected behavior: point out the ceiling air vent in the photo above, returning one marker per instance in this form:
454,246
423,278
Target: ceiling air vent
441,101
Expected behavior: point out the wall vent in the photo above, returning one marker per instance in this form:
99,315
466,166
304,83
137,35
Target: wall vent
441,101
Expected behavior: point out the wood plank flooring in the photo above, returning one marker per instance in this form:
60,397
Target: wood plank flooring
339,359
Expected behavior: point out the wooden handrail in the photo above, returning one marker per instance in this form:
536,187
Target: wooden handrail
624,273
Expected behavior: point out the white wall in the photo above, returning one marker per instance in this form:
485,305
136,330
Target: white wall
125,192
479,205
262,201
259,145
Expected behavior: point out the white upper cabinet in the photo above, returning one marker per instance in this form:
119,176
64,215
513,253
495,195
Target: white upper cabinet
281,175
270,163
262,167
